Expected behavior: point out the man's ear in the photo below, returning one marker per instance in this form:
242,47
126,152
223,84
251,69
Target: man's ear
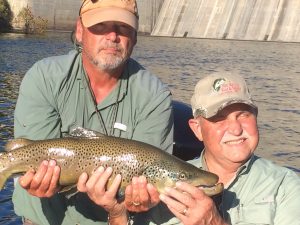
78,31
196,128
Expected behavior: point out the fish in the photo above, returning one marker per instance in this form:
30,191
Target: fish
85,150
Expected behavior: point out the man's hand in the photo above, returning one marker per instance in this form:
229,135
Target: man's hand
95,187
191,205
140,196
43,182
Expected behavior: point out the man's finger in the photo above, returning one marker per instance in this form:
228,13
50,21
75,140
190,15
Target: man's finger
26,179
94,178
154,194
144,197
54,183
113,189
39,175
81,184
190,189
45,182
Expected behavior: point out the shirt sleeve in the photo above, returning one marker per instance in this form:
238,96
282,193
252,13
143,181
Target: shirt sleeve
155,124
288,201
35,115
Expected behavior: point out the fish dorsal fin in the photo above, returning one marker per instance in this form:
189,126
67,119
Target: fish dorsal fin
17,143
83,132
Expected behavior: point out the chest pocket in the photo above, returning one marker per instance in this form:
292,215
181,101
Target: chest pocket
260,212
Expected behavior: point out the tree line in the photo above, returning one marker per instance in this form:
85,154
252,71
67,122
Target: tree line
25,21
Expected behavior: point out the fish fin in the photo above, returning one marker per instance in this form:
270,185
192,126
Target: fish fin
3,178
69,190
83,132
121,194
17,143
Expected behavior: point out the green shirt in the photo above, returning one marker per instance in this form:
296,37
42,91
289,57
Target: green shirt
54,98
261,193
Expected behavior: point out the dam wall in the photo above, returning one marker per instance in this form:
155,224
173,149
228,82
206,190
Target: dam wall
62,14
269,20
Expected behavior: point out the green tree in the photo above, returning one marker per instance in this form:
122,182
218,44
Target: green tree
31,23
27,18
6,16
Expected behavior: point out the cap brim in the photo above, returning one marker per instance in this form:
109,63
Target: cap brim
214,110
94,16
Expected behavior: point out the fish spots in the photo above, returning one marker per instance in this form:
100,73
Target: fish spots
127,157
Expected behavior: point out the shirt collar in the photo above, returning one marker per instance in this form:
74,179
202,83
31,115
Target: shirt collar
244,169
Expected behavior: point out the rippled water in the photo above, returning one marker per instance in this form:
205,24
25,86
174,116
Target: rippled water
271,69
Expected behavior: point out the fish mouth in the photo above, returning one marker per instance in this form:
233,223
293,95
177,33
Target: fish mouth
211,190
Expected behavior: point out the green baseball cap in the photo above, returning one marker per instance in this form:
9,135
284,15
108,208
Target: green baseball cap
216,91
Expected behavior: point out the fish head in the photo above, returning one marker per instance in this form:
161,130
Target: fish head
166,173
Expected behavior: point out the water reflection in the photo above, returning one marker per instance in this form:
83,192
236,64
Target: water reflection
271,69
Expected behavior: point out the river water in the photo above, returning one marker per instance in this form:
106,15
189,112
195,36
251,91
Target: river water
272,70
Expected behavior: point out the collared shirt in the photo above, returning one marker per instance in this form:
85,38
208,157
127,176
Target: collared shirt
54,98
261,193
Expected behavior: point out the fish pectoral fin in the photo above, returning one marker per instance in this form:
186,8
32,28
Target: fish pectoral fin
17,143
83,132
121,194
69,191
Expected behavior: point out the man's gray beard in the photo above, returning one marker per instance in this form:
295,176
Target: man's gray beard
110,63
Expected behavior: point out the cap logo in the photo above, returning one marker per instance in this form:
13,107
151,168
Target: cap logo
217,84
220,85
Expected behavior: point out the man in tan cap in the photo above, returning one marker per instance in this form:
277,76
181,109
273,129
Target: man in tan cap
99,87
256,190
93,12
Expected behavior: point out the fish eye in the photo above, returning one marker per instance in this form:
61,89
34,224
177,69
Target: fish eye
182,176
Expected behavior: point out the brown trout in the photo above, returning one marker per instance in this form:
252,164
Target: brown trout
84,154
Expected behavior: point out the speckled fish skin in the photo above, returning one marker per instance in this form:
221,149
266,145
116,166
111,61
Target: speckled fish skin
127,157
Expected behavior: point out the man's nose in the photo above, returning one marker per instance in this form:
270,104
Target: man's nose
112,35
235,127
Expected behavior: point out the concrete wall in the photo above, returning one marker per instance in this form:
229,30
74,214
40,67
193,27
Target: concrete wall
148,12
272,20
62,14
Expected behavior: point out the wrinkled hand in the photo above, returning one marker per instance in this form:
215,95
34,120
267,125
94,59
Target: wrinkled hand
191,205
95,187
43,182
140,196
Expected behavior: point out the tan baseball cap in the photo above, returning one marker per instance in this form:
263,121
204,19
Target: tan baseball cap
218,90
97,11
